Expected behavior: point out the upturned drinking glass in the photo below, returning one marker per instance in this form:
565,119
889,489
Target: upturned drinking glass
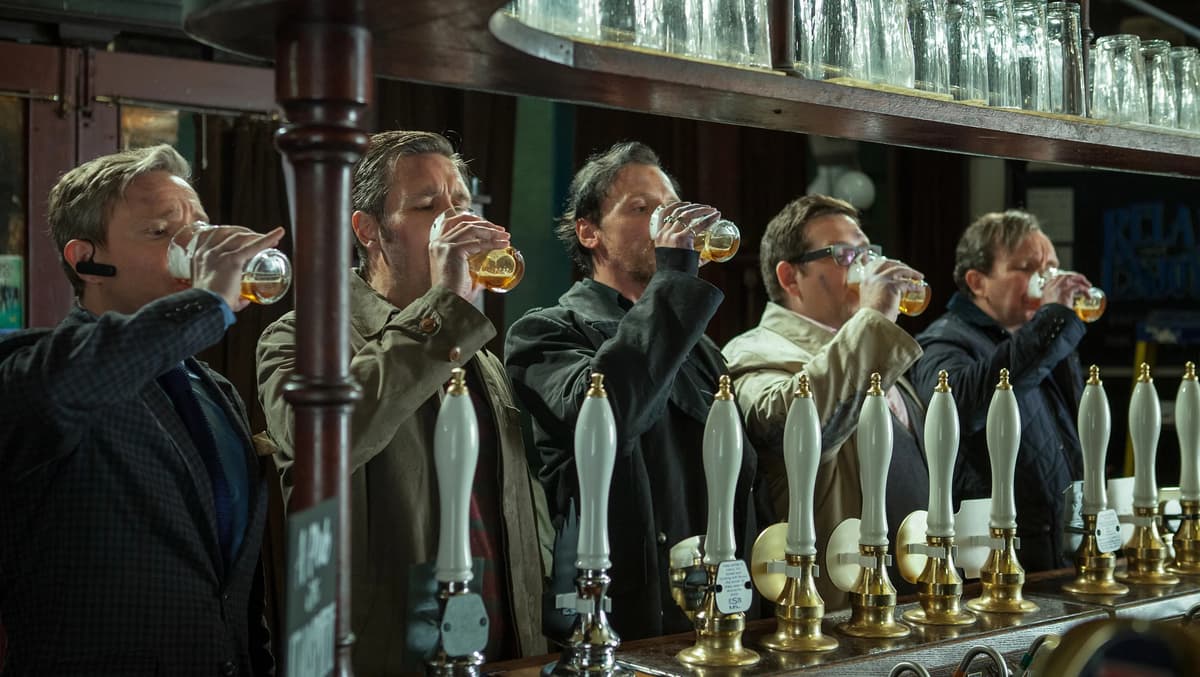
838,51
803,16
1119,84
966,50
1002,75
1185,62
1029,17
1160,83
927,23
736,32
890,54
683,26
1065,59
649,30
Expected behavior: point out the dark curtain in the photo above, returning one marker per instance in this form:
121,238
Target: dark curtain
929,210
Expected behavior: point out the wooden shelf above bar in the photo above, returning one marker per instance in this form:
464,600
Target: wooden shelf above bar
472,45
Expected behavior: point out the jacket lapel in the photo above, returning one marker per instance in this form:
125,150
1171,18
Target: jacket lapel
238,418
163,409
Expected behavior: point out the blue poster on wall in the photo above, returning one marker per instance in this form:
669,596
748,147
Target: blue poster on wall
1136,237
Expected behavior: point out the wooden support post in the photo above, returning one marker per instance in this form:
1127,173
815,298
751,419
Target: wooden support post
324,84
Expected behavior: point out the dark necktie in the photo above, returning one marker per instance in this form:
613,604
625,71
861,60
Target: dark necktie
178,387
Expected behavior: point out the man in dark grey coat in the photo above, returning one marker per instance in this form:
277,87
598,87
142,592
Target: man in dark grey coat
991,323
131,504
639,319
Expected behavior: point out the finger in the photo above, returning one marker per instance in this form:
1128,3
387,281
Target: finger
476,231
465,224
696,212
253,243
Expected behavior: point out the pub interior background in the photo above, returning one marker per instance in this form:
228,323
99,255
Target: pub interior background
77,84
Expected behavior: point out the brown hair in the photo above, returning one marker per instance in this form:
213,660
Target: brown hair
375,171
978,245
786,237
589,188
82,201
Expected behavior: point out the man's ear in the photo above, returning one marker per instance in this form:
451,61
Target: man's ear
78,250
366,228
976,282
785,274
587,232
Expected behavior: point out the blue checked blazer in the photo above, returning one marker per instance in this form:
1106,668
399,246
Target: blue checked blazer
109,560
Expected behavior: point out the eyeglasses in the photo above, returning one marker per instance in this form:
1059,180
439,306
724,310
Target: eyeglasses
842,254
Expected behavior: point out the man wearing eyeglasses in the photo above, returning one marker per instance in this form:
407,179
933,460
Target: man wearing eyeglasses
817,324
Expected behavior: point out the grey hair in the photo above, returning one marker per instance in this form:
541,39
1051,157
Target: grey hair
82,201
375,171
981,241
589,188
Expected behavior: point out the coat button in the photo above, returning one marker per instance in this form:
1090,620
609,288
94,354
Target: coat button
662,538
455,354
228,669
428,325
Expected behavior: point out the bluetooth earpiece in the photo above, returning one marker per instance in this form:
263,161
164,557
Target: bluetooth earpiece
90,267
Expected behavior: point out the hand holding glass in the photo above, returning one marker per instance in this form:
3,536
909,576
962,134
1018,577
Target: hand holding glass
913,300
719,242
1088,306
265,278
497,270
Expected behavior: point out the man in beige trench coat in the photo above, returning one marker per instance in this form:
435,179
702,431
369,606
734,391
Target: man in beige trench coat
412,322
817,324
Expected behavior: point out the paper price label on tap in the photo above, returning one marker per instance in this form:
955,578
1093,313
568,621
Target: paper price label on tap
1108,531
732,587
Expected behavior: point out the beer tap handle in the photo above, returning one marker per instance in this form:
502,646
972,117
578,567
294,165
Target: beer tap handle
595,452
874,441
1003,440
455,453
801,453
1187,424
1095,426
941,448
1145,424
722,463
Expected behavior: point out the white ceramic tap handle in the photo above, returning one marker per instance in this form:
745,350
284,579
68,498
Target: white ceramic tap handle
595,452
1003,440
455,453
801,452
874,441
1145,424
1095,426
941,449
1187,424
722,463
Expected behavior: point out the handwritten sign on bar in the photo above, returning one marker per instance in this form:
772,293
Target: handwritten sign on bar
310,602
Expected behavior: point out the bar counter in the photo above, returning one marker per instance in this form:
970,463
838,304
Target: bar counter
938,648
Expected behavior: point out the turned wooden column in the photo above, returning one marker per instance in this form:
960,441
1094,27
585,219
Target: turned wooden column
324,82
